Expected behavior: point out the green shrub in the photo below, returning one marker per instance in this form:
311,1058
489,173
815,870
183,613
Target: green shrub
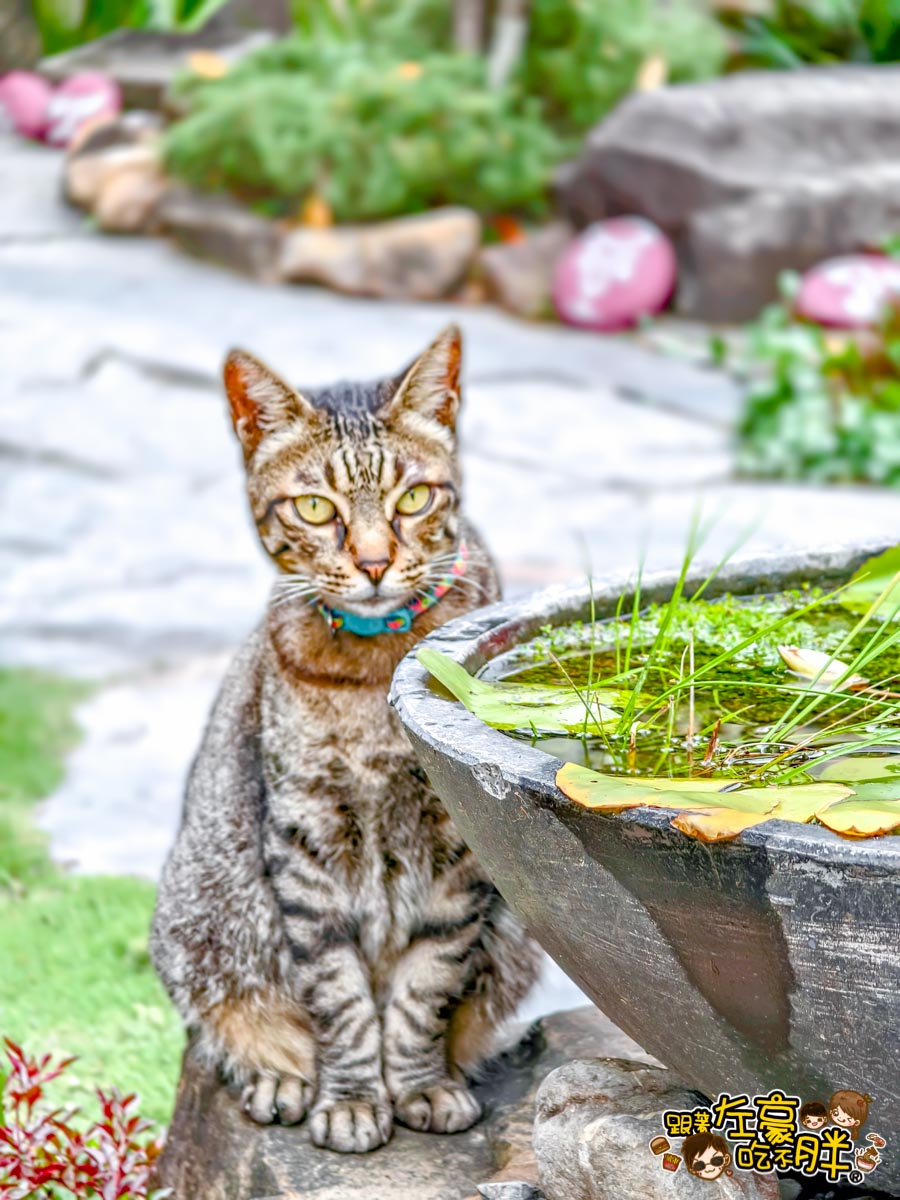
410,28
336,107
819,406
372,141
582,58
67,23
798,32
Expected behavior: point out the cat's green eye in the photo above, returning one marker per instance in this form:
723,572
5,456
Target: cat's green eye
414,500
315,510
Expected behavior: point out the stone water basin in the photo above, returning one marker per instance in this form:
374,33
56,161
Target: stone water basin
771,961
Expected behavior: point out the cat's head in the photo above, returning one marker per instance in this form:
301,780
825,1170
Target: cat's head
354,488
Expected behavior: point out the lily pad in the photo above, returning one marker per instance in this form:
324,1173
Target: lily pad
717,824
859,767
862,818
515,706
878,575
614,793
705,810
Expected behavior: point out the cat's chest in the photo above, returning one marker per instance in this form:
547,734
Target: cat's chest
344,743
341,768
350,786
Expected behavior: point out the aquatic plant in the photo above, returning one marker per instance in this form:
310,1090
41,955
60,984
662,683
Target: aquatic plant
750,707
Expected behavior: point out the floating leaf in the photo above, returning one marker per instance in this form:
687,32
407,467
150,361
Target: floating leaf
876,576
863,766
517,706
705,810
862,817
878,789
664,784
821,667
614,793
801,802
717,824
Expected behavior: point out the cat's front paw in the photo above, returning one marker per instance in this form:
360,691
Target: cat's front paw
351,1126
445,1108
285,1098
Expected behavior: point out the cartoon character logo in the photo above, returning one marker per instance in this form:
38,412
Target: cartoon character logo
813,1115
706,1155
849,1110
868,1159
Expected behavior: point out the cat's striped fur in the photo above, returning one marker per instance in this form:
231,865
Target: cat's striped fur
324,931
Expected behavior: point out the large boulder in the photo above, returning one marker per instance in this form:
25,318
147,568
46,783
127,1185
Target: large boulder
734,254
748,174
216,1153
594,1123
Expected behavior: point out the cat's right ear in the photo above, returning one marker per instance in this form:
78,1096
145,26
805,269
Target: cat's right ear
259,400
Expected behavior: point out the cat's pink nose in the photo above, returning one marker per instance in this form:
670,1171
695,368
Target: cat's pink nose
374,567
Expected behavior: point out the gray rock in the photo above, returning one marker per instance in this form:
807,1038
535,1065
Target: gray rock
519,275
674,150
99,151
735,168
129,201
221,229
423,257
274,15
593,1126
144,62
737,251
86,175
215,1152
127,129
20,42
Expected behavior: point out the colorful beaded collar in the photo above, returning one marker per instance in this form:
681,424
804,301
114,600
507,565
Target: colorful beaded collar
401,619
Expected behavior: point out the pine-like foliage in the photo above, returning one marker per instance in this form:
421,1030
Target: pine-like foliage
371,112
371,136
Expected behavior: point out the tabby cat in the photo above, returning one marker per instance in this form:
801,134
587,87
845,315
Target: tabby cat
330,941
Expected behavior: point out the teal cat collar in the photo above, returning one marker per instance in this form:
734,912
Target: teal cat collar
401,619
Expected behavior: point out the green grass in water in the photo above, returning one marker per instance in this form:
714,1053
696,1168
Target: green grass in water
76,977
558,657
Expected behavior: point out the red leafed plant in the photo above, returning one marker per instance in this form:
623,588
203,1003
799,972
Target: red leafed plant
42,1157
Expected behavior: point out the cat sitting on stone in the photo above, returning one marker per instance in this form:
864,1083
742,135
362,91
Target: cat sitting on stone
328,938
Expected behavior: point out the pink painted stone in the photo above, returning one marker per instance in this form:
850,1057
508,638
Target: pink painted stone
82,98
848,292
614,273
24,100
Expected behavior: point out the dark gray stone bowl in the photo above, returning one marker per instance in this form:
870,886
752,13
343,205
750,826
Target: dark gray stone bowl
769,962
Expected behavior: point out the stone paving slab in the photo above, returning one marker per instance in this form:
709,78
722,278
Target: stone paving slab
30,207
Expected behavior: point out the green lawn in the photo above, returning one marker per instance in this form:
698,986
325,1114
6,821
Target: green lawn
75,975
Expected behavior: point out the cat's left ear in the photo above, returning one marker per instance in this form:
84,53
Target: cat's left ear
429,389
